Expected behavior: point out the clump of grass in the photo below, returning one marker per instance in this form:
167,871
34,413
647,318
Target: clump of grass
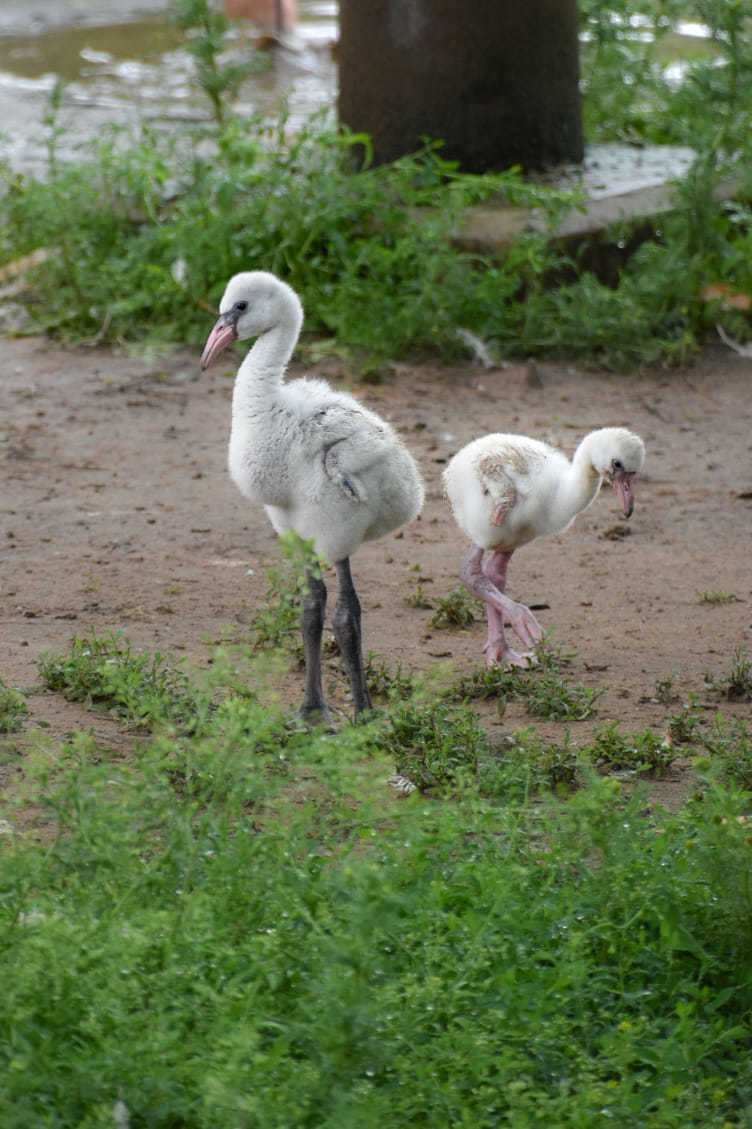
738,682
143,689
557,699
718,598
418,599
545,692
384,682
277,620
645,751
665,692
432,743
457,609
13,708
523,766
729,744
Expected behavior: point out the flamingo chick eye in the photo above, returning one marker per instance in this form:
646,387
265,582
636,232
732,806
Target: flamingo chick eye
241,307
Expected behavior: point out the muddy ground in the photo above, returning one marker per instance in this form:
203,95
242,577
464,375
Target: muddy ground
118,514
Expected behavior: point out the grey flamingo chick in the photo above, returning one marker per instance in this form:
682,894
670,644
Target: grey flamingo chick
507,490
317,460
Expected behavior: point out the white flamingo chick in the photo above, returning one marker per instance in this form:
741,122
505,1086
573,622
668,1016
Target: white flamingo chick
506,490
317,460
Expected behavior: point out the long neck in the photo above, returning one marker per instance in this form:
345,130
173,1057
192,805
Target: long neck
579,486
260,375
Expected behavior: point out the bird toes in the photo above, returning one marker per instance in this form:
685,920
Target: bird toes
499,653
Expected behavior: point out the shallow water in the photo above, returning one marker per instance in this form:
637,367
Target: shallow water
139,69
121,62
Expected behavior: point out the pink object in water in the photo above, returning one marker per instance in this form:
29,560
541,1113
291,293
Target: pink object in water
270,15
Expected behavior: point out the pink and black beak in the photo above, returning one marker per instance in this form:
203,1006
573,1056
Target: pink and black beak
623,481
225,331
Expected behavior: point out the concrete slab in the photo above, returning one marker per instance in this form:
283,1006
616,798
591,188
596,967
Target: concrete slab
617,182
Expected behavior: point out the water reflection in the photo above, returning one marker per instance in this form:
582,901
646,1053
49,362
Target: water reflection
141,71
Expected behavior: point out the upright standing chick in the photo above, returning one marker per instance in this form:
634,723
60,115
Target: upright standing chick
506,490
317,460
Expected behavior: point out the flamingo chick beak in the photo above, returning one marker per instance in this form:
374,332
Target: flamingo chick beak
223,333
624,487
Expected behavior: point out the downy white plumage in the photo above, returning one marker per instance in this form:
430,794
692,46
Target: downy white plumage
317,460
507,490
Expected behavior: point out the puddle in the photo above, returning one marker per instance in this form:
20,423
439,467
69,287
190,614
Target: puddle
124,72
122,62
616,168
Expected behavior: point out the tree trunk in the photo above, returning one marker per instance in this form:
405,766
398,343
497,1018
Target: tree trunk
495,80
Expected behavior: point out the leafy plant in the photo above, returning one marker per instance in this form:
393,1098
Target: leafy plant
682,727
522,766
278,618
418,599
557,699
13,708
718,597
645,751
546,694
457,609
383,682
665,691
729,744
207,28
432,743
738,682
143,689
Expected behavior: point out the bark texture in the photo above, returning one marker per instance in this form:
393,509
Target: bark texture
496,80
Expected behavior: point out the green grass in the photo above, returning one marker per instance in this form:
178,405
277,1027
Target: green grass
244,925
141,689
545,691
457,609
729,748
646,751
737,683
718,598
13,708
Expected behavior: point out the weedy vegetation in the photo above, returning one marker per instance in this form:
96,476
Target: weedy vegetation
546,693
235,921
276,621
457,609
729,748
239,922
718,598
371,249
387,683
738,682
13,708
141,689
645,751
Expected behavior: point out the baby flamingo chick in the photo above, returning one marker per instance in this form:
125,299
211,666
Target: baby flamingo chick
506,490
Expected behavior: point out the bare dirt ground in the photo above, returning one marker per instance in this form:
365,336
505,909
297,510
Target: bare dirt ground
118,514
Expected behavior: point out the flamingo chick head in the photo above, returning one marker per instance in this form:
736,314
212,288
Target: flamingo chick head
625,457
254,302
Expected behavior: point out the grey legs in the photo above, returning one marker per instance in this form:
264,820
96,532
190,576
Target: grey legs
347,632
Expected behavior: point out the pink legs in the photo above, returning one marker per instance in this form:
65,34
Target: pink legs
487,580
